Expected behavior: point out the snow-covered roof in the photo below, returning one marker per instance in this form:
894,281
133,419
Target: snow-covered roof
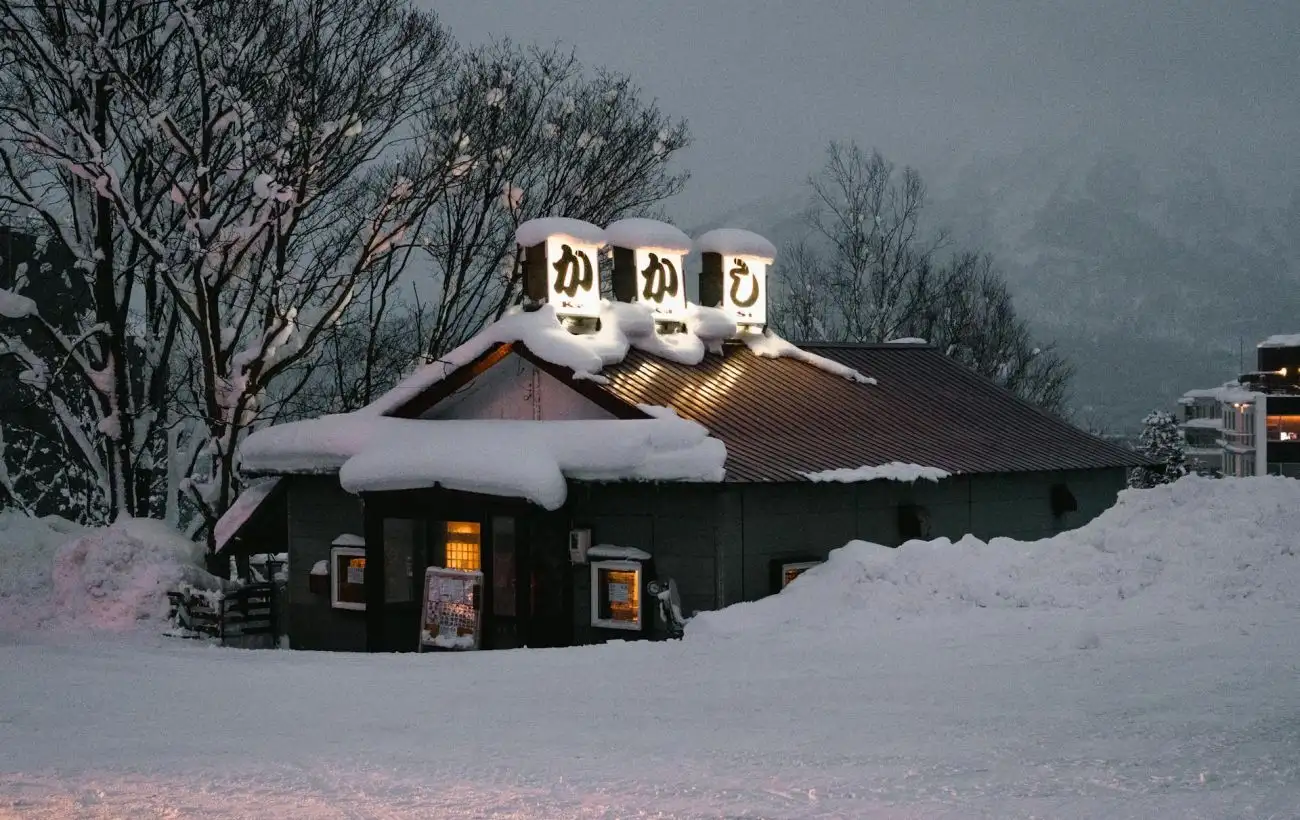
1205,424
234,518
1281,340
729,241
522,459
1226,392
536,231
907,340
623,326
647,233
893,471
616,552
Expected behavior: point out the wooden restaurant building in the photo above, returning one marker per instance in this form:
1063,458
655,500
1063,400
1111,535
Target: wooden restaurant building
527,488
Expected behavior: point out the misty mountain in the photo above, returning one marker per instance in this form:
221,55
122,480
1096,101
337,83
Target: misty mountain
1152,274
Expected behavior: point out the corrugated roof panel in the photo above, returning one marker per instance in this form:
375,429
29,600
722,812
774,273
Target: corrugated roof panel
780,418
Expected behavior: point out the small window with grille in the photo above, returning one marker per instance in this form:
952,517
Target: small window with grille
464,545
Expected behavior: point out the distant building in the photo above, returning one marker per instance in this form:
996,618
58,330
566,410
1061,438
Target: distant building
1250,426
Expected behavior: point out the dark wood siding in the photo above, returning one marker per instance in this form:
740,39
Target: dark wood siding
319,512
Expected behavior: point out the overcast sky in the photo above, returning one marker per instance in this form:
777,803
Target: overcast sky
934,82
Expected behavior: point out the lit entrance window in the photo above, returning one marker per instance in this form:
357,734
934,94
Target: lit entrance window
464,545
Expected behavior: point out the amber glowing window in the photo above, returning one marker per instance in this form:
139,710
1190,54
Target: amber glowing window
616,594
464,545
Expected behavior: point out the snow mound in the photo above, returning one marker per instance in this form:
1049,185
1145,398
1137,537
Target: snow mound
27,549
1196,544
111,578
116,578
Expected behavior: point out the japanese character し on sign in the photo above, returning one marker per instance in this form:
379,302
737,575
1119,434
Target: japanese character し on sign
735,274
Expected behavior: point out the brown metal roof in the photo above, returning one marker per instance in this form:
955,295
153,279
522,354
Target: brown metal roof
781,418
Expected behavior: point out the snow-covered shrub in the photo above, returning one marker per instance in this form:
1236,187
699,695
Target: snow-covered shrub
1162,442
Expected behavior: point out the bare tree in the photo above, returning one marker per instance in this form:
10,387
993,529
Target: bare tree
535,137
870,272
227,171
528,134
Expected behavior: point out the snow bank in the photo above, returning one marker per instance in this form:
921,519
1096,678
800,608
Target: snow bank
772,346
535,231
647,233
110,578
893,471
733,241
116,577
27,549
1193,545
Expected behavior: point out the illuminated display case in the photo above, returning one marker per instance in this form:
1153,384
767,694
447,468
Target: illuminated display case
616,597
348,577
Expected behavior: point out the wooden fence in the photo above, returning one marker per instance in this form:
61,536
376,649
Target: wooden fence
247,617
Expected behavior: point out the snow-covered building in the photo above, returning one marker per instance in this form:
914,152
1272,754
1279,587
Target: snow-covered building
525,489
1252,424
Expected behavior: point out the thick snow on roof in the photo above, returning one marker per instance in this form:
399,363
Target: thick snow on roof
647,233
1228,391
536,231
907,340
735,241
1282,340
772,346
239,512
893,471
623,325
523,459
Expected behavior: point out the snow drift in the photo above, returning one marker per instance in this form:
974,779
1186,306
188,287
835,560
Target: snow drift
110,578
1197,544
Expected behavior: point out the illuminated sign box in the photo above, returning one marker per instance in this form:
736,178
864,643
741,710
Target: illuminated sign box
650,266
616,599
348,577
562,265
735,274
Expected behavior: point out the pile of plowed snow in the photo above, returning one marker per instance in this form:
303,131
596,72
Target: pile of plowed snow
1196,544
56,573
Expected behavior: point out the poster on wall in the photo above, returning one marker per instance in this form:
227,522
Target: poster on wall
451,616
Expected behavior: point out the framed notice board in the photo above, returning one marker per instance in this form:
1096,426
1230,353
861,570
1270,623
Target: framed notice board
451,616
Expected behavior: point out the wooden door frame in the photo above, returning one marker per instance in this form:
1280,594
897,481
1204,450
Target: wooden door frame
429,505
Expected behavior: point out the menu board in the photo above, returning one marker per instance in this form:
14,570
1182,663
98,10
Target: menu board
451,616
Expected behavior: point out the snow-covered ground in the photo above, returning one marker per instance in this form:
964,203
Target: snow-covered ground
1145,666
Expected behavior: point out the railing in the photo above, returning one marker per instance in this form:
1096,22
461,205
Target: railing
245,617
